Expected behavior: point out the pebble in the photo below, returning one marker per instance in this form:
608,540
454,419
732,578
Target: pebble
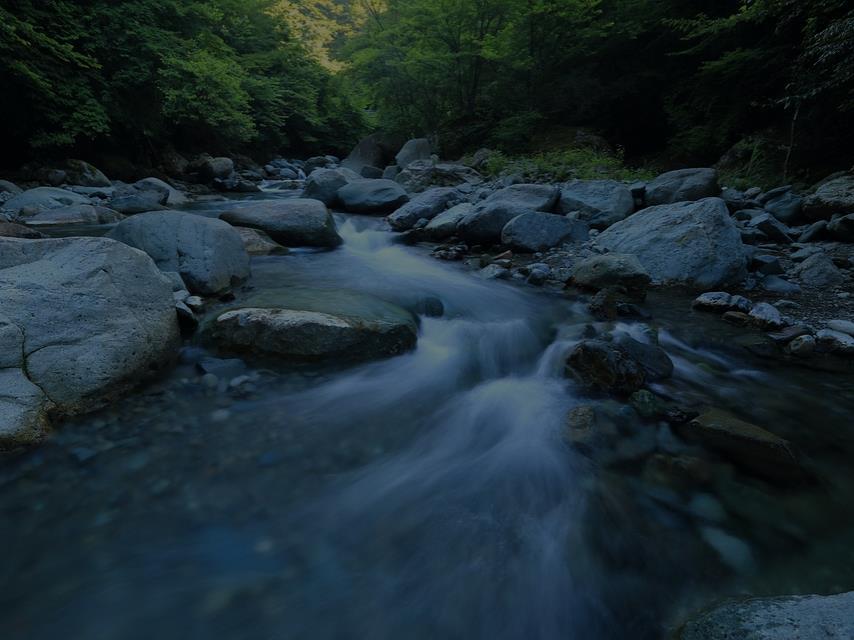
767,316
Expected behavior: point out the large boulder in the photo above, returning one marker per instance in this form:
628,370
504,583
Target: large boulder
372,196
691,243
537,231
79,172
9,188
208,253
682,185
131,199
323,185
71,215
297,222
370,151
210,169
40,198
173,197
426,205
83,321
784,204
315,327
602,365
810,617
485,223
530,197
612,270
831,198
415,149
445,224
819,271
423,174
599,203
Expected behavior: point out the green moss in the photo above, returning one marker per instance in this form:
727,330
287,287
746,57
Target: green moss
559,166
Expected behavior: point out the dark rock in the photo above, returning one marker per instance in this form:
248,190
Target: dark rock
842,228
751,447
371,173
412,151
610,270
814,232
426,205
767,265
819,271
12,230
372,196
605,366
771,227
292,222
537,231
783,204
831,198
599,203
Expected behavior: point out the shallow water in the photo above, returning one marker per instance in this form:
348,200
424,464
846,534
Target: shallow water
430,495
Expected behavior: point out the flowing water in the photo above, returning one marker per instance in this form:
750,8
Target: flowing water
431,495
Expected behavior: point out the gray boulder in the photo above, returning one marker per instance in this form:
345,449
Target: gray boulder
12,230
529,197
423,174
323,185
445,224
174,198
612,270
372,173
603,365
416,149
370,151
810,617
79,172
783,204
208,253
831,198
691,243
425,205
10,188
771,227
819,271
372,196
599,203
342,327
83,321
682,185
842,228
41,198
210,169
537,231
485,223
73,214
130,200
297,222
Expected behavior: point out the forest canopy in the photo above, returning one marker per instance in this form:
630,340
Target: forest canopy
671,81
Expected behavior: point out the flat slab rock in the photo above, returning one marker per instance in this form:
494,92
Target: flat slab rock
810,617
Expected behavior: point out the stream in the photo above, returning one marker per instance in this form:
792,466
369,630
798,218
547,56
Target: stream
430,495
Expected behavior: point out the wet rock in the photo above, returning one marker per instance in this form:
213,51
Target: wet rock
130,200
691,243
831,198
843,326
80,172
599,203
677,471
83,321
819,271
647,405
587,433
484,224
810,617
372,196
426,205
682,185
835,342
495,272
208,253
789,333
602,365
801,347
311,335
766,316
751,447
292,222
655,362
537,231
738,318
526,197
210,169
258,243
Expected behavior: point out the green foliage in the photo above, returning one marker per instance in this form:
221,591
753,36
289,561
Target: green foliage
684,79
559,166
141,74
